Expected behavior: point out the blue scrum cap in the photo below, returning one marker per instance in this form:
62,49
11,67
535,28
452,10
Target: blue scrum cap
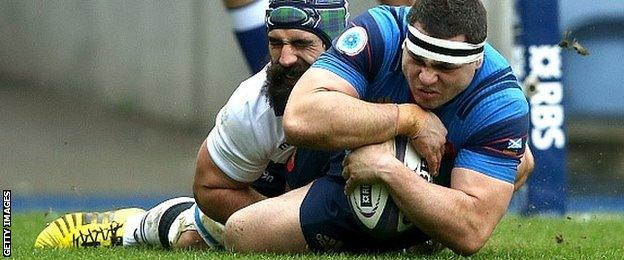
325,18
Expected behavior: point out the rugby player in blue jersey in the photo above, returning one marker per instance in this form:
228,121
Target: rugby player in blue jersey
424,72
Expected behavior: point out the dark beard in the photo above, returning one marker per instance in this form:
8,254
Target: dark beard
280,81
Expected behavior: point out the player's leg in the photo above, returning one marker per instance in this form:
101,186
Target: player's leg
209,230
317,217
175,223
190,239
170,224
248,23
194,230
154,228
271,225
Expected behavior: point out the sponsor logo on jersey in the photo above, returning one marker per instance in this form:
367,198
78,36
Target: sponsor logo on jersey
283,146
266,175
352,41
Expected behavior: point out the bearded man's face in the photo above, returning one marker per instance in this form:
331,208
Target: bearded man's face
280,82
292,51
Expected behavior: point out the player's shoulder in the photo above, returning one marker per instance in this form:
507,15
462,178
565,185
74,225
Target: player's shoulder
247,111
498,101
370,46
385,22
495,93
386,13
246,131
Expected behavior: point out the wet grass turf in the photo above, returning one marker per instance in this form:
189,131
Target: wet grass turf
578,236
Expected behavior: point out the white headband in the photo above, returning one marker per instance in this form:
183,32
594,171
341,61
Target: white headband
442,50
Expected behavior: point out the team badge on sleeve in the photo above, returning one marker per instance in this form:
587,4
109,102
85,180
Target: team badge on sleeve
352,41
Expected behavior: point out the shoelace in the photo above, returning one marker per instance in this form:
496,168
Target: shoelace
94,237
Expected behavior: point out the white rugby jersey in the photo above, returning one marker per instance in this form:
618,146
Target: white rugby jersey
247,134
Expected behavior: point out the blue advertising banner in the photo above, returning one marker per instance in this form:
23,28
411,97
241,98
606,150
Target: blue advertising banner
541,70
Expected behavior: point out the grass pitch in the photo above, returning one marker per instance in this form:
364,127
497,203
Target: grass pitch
586,236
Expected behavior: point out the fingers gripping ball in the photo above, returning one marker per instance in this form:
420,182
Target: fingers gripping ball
373,205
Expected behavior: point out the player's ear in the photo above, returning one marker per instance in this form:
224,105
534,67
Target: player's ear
478,63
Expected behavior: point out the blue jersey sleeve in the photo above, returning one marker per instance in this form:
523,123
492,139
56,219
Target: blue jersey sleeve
361,51
500,126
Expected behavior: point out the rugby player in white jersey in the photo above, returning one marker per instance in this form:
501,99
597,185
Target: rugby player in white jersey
243,159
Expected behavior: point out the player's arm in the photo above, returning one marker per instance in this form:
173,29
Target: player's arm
218,195
464,215
324,112
321,113
461,217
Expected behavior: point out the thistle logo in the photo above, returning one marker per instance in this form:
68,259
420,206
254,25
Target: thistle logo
514,144
6,223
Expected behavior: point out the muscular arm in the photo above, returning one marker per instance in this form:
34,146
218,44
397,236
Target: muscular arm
324,112
216,194
461,217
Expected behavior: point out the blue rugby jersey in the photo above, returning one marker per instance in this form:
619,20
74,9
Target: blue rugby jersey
487,123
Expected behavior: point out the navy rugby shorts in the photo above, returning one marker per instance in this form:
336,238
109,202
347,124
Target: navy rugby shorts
329,224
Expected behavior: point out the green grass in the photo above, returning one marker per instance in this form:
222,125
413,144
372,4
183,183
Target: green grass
587,236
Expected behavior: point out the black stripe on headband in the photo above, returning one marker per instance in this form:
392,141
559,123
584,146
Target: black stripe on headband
441,50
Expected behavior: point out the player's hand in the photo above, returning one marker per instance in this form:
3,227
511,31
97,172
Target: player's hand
428,136
365,165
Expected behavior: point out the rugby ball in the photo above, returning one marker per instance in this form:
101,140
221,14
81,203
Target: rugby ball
373,205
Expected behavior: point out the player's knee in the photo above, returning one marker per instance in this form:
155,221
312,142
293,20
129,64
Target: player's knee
470,247
467,251
233,234
239,233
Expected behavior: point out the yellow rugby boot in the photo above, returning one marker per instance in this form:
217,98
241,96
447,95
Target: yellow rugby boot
86,229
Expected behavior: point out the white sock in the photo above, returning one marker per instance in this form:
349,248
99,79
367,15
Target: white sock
211,231
131,226
249,16
144,229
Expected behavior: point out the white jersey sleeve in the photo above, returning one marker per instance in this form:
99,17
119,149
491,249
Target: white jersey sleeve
247,134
